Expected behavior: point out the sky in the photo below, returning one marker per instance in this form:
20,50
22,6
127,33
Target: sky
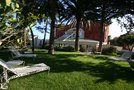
40,34
114,31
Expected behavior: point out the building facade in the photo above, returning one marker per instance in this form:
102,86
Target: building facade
89,35
92,32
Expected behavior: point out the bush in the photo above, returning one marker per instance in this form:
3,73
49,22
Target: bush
67,48
82,49
58,48
119,53
5,54
132,57
45,47
109,51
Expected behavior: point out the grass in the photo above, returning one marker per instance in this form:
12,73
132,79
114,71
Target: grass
76,71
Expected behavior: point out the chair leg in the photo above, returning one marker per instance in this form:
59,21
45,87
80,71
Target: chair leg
4,80
4,84
48,70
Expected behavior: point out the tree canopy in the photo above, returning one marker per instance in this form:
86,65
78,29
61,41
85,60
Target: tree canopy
126,41
24,13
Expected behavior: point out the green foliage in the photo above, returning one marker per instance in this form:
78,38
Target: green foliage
109,51
78,12
114,41
126,22
66,48
5,54
3,3
83,49
45,47
51,8
58,48
126,40
132,57
27,12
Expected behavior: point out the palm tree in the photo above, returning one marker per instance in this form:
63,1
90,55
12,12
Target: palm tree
104,12
51,8
78,10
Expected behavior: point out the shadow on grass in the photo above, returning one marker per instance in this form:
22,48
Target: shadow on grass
109,71
105,71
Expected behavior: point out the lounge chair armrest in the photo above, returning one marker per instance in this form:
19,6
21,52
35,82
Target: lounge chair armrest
15,63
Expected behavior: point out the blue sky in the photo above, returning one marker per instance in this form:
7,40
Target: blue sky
40,34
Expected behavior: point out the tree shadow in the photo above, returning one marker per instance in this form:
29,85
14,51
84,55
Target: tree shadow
110,71
107,70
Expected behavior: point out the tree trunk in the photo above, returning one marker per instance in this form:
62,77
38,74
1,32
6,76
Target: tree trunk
101,37
77,35
45,34
101,30
44,39
132,48
32,35
51,40
25,38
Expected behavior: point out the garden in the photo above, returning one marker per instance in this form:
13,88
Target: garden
76,71
72,51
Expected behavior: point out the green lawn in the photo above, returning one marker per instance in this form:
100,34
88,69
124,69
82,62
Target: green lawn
76,71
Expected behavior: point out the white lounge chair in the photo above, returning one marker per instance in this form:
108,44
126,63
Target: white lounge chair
19,72
131,61
125,56
17,54
14,63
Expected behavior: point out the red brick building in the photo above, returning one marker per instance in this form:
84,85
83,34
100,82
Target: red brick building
91,32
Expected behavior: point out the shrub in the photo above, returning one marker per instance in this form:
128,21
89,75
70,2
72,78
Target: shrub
109,51
57,48
132,57
5,54
67,48
119,53
45,47
82,49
